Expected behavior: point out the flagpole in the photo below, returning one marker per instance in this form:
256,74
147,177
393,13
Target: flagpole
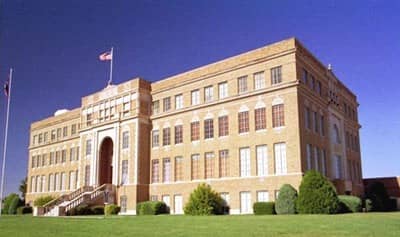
111,66
5,142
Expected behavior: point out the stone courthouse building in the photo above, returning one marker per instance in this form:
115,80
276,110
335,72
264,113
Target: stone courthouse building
245,125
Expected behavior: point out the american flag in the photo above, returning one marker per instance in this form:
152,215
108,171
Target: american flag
105,56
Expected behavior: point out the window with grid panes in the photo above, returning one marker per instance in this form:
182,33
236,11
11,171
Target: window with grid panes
178,134
276,75
209,165
195,166
260,118
243,120
259,80
242,84
195,131
223,126
155,171
166,104
166,136
155,138
223,163
178,168
208,128
278,117
208,94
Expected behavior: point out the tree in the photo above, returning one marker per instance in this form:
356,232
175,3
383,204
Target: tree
317,195
22,189
9,201
204,201
379,197
286,201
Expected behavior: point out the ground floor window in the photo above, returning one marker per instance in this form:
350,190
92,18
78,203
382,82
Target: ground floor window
166,200
245,202
123,202
262,196
178,204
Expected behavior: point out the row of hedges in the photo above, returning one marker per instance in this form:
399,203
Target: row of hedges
151,208
84,209
264,208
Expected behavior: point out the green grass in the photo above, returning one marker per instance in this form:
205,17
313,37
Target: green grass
371,224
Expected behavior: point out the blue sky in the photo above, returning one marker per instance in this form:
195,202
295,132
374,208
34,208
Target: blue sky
54,48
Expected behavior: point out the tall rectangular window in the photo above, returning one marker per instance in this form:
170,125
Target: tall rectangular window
316,158
243,120
166,136
195,94
244,162
58,158
307,117
73,129
323,161
63,180
88,147
309,154
280,158
208,128
179,101
166,170
51,160
53,135
316,124
45,137
262,196
125,139
260,118
63,156
155,138
44,158
178,134
155,171
338,167
223,126
155,107
262,160
259,80
224,163
278,116
87,175
65,131
71,183
322,125
304,77
72,154
124,172
209,165
208,94
77,153
223,90
51,183
166,104
58,133
242,84
179,168
195,131
245,203
276,75
195,166
319,88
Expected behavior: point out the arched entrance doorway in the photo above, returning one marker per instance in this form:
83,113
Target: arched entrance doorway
105,161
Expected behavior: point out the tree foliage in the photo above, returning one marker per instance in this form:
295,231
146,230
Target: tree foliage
286,201
204,201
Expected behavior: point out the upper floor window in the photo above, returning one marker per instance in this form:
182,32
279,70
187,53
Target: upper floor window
58,133
40,138
73,129
88,147
125,139
223,90
179,101
223,163
45,136
208,94
318,88
195,131
278,116
166,136
155,107
195,166
312,82
209,165
65,131
307,117
242,84
178,134
88,121
260,120
195,97
166,170
336,134
155,171
53,135
243,120
276,75
166,104
208,128
155,138
223,126
259,80
178,168
304,77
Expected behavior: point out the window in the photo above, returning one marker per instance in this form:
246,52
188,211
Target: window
51,183
65,131
322,125
38,161
155,171
195,131
262,160
124,172
155,138
58,133
280,158
208,94
45,137
223,163
58,157
44,158
178,168
243,120
33,162
307,117
305,76
278,117
166,170
242,84
53,135
259,80
71,183
312,82
88,147
245,203
155,107
179,101
153,198
323,161
316,158
276,75
71,154
166,200
308,151
195,166
226,202
178,134
262,196
260,120
87,175
209,165
40,138
223,90
244,162
124,203
336,136
338,167
73,129
58,183
166,104
178,204
51,161
318,88
208,128
166,136
195,97
125,139
223,126
77,153
316,124
63,156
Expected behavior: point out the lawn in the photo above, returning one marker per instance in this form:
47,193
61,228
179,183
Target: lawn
371,224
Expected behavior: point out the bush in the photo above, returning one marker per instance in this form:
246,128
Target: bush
41,201
316,195
7,202
14,204
349,204
368,205
97,210
82,210
204,201
264,208
24,210
377,193
151,208
111,209
286,201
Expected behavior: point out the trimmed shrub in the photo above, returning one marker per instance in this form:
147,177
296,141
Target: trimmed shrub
82,210
377,193
316,195
368,205
204,201
286,201
111,209
349,204
41,201
14,204
151,208
97,210
24,210
7,202
264,208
